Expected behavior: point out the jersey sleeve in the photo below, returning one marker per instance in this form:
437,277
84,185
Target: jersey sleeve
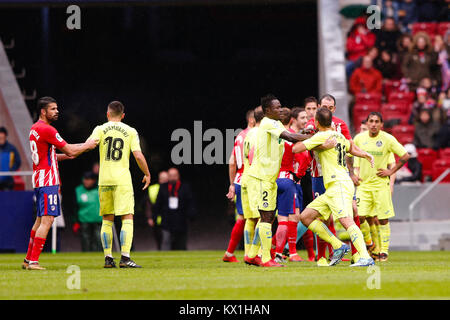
396,147
96,133
275,128
52,137
314,141
391,158
135,143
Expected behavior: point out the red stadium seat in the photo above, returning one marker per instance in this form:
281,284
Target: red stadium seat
403,107
368,98
429,27
439,166
426,157
390,86
357,119
444,153
443,27
19,184
361,111
392,115
404,133
397,96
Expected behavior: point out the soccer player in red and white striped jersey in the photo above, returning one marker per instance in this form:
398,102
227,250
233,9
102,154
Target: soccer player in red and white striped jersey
44,140
236,168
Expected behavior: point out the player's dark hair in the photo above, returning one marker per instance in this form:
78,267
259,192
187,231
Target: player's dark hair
295,111
324,117
116,108
250,114
327,97
259,114
43,103
3,130
375,113
364,121
308,100
266,101
286,115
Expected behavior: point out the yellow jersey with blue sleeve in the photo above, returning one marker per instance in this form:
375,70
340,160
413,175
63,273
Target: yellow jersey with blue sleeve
116,141
382,148
333,163
268,150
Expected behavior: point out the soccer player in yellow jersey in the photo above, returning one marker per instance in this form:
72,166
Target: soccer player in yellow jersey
337,199
374,190
116,141
260,182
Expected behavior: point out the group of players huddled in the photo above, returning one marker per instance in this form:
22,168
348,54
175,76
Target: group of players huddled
281,147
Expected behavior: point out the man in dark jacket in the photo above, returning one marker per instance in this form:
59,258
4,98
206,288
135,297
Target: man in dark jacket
9,160
175,205
413,166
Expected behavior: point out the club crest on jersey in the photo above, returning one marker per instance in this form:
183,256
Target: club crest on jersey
379,143
265,204
58,137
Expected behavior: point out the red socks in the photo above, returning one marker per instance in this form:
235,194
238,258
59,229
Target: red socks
292,237
38,245
308,241
30,244
236,235
281,236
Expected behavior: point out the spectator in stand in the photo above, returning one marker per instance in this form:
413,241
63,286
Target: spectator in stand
9,160
420,62
366,79
426,130
389,9
388,36
407,15
403,45
412,171
359,40
444,103
386,66
443,136
442,48
424,101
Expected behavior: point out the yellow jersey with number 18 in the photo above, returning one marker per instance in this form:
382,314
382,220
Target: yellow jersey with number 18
116,141
333,163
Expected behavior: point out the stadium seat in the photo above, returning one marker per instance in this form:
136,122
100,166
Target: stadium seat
19,184
368,98
443,27
403,107
429,27
397,96
390,86
357,119
439,166
396,115
404,133
426,157
444,154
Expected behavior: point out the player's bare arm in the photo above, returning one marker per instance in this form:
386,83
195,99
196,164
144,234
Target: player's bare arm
74,150
62,157
355,177
142,163
388,172
361,154
294,137
232,175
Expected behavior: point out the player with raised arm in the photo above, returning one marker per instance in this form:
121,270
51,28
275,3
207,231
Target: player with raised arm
374,190
44,140
262,175
235,170
116,141
337,199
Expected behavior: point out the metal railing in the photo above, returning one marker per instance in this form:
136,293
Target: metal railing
416,201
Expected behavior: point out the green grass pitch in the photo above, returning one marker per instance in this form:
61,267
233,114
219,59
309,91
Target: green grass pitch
202,275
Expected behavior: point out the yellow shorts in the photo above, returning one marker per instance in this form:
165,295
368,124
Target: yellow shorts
262,195
375,203
117,200
336,201
248,212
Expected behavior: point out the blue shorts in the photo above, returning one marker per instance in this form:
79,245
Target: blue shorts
237,191
299,198
47,201
286,196
318,187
